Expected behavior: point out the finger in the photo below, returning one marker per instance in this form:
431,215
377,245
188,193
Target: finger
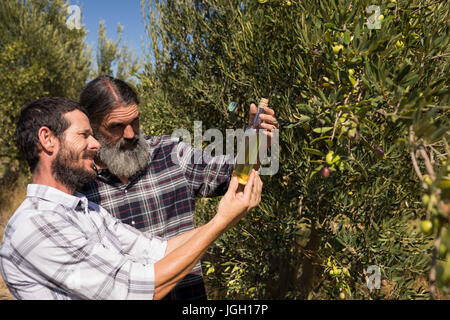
273,124
234,184
268,110
267,118
267,126
249,186
254,196
260,186
257,191
269,135
253,111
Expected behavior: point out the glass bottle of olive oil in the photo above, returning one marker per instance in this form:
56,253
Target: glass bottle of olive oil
248,148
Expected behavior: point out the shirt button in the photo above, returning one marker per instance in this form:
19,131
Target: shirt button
133,223
126,191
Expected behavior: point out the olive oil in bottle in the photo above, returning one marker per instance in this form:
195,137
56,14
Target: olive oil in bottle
248,149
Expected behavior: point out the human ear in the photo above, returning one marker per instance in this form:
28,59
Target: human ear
47,140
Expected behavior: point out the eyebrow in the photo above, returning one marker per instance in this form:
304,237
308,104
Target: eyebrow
112,124
87,131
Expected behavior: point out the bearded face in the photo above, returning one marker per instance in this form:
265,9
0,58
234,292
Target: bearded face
125,157
73,163
124,150
69,168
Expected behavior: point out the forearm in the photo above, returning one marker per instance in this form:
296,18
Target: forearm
179,240
180,260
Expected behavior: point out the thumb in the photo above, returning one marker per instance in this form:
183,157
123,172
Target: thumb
253,111
234,184
249,186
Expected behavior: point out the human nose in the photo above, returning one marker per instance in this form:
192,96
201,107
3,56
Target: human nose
128,132
93,144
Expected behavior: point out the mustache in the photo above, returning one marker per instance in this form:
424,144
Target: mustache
89,154
125,157
128,142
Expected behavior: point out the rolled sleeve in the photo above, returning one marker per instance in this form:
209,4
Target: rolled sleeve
208,176
158,248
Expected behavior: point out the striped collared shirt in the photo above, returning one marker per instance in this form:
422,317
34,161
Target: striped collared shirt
160,199
61,246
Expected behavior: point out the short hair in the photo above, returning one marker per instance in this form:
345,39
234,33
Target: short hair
105,93
45,112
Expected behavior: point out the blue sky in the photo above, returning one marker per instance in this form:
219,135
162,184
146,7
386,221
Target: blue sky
127,12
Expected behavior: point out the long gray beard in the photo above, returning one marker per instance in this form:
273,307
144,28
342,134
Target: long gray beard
124,163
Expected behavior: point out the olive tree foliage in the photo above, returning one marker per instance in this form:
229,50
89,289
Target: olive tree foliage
359,90
39,56
114,58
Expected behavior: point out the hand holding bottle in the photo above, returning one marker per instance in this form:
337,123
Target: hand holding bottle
267,119
236,203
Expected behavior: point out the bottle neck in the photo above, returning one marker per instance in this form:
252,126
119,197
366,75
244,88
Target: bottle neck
256,121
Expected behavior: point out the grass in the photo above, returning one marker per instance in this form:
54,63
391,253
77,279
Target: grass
10,199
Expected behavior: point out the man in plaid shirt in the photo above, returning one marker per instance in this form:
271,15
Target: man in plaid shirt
151,183
59,245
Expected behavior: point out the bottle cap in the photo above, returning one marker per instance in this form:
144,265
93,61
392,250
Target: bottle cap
263,103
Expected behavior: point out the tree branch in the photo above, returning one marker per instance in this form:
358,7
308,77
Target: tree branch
413,157
432,279
427,161
440,56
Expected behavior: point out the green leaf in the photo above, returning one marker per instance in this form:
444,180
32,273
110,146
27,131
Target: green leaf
346,37
322,95
305,108
304,119
210,270
322,130
313,151
438,134
320,138
352,80
375,226
403,72
315,171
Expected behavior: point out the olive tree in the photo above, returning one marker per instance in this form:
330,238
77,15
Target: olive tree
360,89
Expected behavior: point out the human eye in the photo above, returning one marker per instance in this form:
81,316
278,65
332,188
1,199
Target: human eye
135,121
86,134
115,126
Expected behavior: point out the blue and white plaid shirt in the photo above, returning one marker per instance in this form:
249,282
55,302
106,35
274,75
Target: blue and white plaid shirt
160,200
61,246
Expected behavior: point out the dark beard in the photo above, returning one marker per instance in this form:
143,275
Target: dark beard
64,172
123,163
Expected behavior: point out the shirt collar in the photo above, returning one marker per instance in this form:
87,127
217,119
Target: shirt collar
108,177
54,195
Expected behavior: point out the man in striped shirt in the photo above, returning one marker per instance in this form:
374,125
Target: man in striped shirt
151,183
59,245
